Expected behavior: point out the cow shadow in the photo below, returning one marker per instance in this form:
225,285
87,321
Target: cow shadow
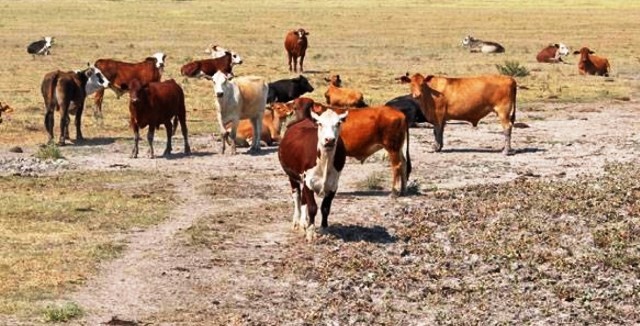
263,151
315,72
99,141
525,150
356,233
180,155
366,193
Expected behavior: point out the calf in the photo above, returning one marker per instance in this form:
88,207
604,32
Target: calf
553,53
154,104
239,98
468,99
479,46
217,51
208,67
592,65
367,131
4,108
410,107
336,95
286,90
295,42
272,123
66,92
121,73
312,155
42,47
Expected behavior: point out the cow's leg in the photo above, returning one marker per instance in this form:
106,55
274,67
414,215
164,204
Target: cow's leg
438,131
150,133
48,123
232,136
312,210
301,62
136,139
507,126
325,208
185,135
169,127
256,124
295,64
290,60
295,195
97,103
398,170
64,122
78,121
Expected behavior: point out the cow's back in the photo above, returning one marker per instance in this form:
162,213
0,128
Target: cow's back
470,93
167,97
118,72
364,131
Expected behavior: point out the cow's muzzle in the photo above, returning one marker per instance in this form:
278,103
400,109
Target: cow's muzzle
219,94
329,142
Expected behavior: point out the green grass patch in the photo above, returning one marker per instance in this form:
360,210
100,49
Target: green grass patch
62,313
49,151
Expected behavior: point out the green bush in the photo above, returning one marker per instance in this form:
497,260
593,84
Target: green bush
49,151
512,68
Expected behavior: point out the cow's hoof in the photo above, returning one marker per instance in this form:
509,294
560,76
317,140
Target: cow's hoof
437,148
310,233
508,152
187,151
61,143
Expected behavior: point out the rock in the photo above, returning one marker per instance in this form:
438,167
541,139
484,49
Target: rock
16,149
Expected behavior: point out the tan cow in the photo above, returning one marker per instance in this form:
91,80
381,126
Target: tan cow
272,122
336,95
467,99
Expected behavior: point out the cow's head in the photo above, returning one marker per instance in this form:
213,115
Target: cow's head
417,82
95,80
282,110
159,59
304,84
328,128
563,50
466,41
48,40
134,87
584,53
4,108
219,80
334,80
301,34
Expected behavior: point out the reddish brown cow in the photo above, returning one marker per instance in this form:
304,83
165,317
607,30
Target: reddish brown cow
209,67
553,53
296,45
312,155
468,99
272,122
336,95
121,73
367,131
152,105
592,65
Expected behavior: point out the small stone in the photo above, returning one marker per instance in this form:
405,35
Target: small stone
16,149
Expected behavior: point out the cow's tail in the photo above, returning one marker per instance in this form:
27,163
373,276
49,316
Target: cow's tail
405,152
175,125
514,90
50,96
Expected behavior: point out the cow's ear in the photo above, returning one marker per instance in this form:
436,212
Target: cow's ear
592,52
428,78
403,79
327,79
124,86
576,52
343,116
556,45
314,116
306,33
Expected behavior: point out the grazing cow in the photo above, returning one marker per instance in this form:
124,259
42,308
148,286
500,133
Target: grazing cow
208,67
66,92
121,73
479,46
155,104
312,155
467,99
4,108
410,107
553,53
296,45
336,95
239,98
42,47
367,131
286,90
592,65
272,123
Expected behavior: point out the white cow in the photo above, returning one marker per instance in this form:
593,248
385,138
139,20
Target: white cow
239,98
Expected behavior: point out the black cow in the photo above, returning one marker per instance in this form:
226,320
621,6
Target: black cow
41,47
285,90
410,107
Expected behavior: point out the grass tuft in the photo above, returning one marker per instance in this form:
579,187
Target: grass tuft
49,151
374,181
512,68
64,313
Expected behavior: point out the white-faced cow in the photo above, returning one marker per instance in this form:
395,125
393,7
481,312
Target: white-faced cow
295,43
41,47
239,98
479,46
286,90
467,99
155,104
121,73
312,155
590,64
553,53
223,61
66,92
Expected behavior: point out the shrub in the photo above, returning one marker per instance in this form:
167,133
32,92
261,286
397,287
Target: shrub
63,313
512,68
49,151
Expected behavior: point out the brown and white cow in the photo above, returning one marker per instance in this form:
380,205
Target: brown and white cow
295,43
467,99
367,131
121,73
590,64
6,109
553,53
336,95
224,62
239,98
66,92
272,122
312,155
155,104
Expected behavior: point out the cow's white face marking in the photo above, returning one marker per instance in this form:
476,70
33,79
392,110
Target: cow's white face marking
467,40
235,59
49,41
328,128
563,49
159,59
96,80
219,79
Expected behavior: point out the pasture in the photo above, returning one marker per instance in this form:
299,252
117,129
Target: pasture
548,235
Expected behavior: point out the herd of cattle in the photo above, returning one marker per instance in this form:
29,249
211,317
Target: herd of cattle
316,143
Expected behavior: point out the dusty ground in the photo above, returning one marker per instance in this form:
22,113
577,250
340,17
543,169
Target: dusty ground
222,256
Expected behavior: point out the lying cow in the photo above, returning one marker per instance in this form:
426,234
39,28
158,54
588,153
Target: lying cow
295,43
239,98
369,130
590,64
312,155
467,99
217,51
208,67
286,90
41,47
553,53
479,46
4,108
336,95
272,122
66,92
121,73
410,107
155,104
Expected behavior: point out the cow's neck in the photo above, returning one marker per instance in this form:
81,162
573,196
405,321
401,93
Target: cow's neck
323,176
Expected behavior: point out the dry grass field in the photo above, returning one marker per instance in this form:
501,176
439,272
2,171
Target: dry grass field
168,242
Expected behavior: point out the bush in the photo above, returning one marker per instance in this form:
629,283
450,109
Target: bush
512,68
49,151
62,313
